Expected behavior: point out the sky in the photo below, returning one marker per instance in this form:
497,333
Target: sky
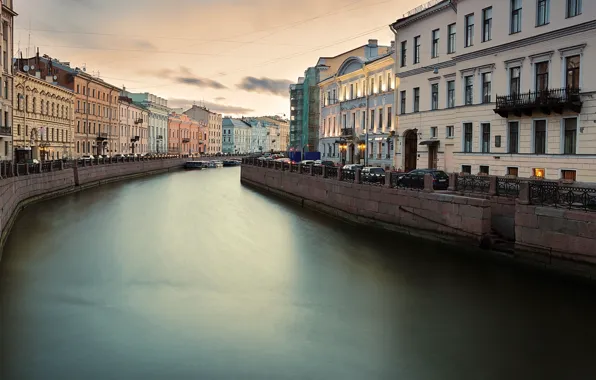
237,57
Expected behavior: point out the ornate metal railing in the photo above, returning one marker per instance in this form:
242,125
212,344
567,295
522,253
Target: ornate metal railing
286,165
305,169
508,187
398,182
553,195
331,172
473,183
372,179
46,166
21,169
317,170
548,97
295,169
348,175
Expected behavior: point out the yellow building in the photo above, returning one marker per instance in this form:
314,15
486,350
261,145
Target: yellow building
43,118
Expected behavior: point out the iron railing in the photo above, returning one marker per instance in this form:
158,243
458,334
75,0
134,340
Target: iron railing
331,172
348,175
317,170
305,169
553,195
5,131
508,187
473,184
372,179
399,182
534,99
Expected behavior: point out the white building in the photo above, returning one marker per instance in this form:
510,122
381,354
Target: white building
236,136
357,111
259,136
498,87
6,79
158,119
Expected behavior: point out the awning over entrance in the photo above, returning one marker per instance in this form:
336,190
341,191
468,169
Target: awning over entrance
430,142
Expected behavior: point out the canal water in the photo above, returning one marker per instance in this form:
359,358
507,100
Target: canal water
190,275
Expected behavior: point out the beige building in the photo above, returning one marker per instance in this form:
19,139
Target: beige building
6,80
483,89
280,135
133,132
43,118
214,122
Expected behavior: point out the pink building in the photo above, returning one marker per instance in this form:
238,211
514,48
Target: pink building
185,135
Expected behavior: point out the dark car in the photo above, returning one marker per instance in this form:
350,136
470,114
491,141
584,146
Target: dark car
325,163
373,175
415,179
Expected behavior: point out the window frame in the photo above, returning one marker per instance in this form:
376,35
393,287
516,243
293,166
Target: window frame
449,131
546,15
468,89
487,24
435,40
404,53
563,133
416,103
434,96
485,140
515,14
486,95
576,71
416,58
518,80
451,38
402,102
533,136
509,139
465,147
547,75
577,9
469,30
451,94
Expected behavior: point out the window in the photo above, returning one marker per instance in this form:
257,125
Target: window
404,48
372,119
539,173
466,169
516,16
470,30
468,137
380,119
451,94
541,76
485,143
435,43
539,136
572,65
574,8
417,99
351,91
452,39
402,106
484,169
486,87
433,132
78,126
449,131
514,80
389,117
417,49
381,84
469,89
511,171
513,139
498,141
543,12
389,83
78,88
372,86
487,24
570,136
435,96
568,175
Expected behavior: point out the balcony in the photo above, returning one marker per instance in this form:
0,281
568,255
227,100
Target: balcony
139,121
347,132
135,139
185,140
545,101
102,136
5,131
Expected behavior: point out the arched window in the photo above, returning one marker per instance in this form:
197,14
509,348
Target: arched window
78,147
34,104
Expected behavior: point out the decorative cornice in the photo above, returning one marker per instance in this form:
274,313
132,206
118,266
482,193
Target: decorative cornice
539,56
434,79
404,22
425,69
534,40
514,62
468,71
452,75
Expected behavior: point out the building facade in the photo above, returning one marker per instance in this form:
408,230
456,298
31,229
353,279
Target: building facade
159,112
236,136
133,131
43,118
186,136
214,122
498,88
357,112
6,80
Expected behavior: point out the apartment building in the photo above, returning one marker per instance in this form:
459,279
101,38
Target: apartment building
133,131
6,79
214,122
186,136
357,112
158,110
497,87
43,117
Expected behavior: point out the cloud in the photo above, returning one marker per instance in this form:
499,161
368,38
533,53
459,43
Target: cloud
184,76
216,107
279,87
220,99
143,44
200,82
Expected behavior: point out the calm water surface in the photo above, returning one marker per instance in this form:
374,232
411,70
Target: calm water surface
192,276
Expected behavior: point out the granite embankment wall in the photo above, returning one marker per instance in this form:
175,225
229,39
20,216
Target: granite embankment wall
19,191
425,214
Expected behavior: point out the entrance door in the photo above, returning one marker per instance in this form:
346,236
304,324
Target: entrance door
432,156
449,158
352,153
410,151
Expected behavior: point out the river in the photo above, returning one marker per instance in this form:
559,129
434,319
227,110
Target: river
190,275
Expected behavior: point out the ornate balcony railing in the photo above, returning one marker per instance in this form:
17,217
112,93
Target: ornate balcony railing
545,101
473,184
331,172
508,187
5,131
397,182
373,179
305,169
102,136
185,140
554,195
347,132
348,175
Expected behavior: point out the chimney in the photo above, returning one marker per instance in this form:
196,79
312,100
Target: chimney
372,49
373,43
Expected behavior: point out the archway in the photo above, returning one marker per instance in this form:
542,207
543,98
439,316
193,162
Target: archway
351,152
410,150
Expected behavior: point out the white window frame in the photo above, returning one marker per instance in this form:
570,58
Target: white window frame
540,58
562,134
570,52
447,135
568,169
490,136
547,14
518,136
532,142
463,135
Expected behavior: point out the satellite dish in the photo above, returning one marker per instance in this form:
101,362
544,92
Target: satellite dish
25,68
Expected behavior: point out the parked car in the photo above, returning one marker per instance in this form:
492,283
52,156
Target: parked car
118,156
416,178
283,159
324,163
373,174
87,157
352,167
307,162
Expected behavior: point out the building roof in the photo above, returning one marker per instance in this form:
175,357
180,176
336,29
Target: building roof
236,123
423,11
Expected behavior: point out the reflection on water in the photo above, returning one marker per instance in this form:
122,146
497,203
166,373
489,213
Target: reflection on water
192,276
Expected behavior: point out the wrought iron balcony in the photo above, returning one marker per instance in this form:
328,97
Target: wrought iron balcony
347,132
102,136
545,101
135,139
185,140
139,121
5,131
